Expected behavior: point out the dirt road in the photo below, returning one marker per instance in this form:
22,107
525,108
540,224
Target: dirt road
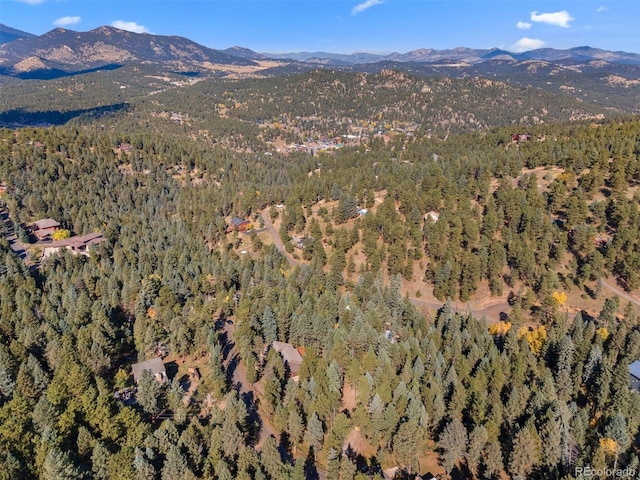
248,392
621,293
277,241
491,312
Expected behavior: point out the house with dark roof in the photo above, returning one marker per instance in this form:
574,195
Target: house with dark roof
634,375
238,224
155,366
44,228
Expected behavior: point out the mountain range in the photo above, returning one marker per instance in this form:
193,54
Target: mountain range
61,50
465,55
608,79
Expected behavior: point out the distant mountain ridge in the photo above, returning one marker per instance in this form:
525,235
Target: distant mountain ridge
591,74
8,34
469,56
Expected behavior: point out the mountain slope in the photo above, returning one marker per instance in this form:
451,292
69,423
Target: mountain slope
241,52
109,45
8,34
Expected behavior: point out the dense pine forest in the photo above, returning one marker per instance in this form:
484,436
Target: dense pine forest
426,207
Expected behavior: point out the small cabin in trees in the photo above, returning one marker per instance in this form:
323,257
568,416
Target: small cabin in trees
155,366
431,216
239,225
290,355
44,228
302,242
634,374
520,137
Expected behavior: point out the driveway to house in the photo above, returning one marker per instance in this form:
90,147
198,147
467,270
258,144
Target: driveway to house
248,392
277,241
491,311
621,293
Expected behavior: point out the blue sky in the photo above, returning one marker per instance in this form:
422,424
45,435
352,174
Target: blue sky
344,26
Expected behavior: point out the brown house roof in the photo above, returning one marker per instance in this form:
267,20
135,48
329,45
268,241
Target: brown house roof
44,224
290,355
79,241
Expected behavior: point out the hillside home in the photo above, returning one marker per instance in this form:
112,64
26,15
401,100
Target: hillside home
43,229
431,216
290,355
155,366
239,225
78,245
520,137
301,242
634,375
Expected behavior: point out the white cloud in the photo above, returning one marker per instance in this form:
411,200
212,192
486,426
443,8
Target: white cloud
31,2
130,26
601,8
525,44
560,19
523,25
66,21
361,7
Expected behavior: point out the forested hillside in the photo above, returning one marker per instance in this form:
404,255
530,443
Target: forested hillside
537,216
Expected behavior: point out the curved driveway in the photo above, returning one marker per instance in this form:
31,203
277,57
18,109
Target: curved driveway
492,312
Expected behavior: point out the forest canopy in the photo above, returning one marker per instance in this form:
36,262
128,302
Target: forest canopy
538,220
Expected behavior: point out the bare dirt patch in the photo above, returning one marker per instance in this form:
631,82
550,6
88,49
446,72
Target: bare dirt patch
358,444
348,397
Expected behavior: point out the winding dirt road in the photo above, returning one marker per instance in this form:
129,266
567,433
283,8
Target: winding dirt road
621,293
492,312
248,392
275,236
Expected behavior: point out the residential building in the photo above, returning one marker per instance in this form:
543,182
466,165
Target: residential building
79,245
155,366
43,229
290,355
